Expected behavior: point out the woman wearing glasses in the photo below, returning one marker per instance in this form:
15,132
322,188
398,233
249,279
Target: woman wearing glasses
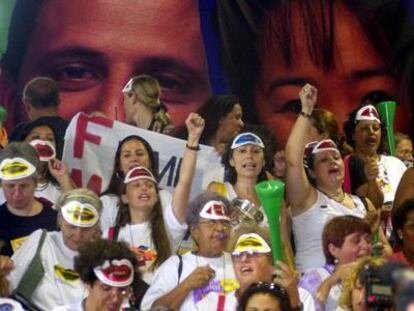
203,279
315,192
253,262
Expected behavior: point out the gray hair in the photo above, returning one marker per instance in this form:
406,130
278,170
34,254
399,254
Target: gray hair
82,195
197,204
22,150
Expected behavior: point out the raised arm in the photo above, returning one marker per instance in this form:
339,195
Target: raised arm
300,192
371,188
60,172
195,126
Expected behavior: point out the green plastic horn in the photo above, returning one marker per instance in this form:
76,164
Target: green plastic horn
386,111
271,194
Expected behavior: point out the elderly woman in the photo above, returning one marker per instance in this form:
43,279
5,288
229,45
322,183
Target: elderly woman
403,224
203,279
22,213
253,262
142,105
345,239
318,197
43,275
107,268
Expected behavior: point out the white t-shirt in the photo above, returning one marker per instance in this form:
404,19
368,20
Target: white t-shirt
207,298
308,228
77,306
48,191
139,238
54,289
312,280
110,207
391,170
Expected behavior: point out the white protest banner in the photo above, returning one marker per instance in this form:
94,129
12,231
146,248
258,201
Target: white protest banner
91,143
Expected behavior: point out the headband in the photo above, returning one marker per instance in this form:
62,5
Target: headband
214,210
117,273
45,149
319,146
246,138
369,113
129,86
251,242
16,168
139,172
80,214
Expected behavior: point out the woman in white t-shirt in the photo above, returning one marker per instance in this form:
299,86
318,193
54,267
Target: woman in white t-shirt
58,284
154,231
133,151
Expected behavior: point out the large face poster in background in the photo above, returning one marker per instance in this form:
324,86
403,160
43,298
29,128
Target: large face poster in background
350,50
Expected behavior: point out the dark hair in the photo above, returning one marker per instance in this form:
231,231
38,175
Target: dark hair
25,131
42,92
399,216
248,28
350,125
159,234
338,228
215,109
117,178
94,253
272,289
268,153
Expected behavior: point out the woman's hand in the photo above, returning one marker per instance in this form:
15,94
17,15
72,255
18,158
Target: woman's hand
340,273
195,126
58,169
200,277
288,280
308,97
6,265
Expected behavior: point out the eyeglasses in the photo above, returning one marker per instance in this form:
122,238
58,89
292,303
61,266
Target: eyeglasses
274,287
247,255
211,223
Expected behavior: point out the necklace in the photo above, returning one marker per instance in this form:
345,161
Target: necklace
340,199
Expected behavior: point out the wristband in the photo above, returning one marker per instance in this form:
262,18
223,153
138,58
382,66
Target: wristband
304,114
194,148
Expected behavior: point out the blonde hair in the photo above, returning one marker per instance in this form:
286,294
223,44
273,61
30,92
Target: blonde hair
148,90
350,282
82,195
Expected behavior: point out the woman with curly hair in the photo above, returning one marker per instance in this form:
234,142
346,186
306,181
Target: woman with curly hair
107,269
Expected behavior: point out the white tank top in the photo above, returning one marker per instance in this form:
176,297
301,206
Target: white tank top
308,228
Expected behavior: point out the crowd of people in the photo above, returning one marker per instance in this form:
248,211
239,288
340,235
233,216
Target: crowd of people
348,204
305,118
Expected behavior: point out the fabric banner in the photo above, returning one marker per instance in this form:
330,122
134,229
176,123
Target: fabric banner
91,143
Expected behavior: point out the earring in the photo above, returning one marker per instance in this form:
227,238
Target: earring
336,261
400,237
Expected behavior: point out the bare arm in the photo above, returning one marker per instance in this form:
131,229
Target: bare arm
300,192
60,172
371,188
405,188
195,126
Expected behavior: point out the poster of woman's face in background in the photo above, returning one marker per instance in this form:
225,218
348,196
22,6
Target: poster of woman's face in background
310,42
92,48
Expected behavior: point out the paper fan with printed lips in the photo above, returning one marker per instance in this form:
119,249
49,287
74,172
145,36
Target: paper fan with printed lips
116,273
45,149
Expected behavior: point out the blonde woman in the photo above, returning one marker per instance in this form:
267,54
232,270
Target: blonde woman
142,105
